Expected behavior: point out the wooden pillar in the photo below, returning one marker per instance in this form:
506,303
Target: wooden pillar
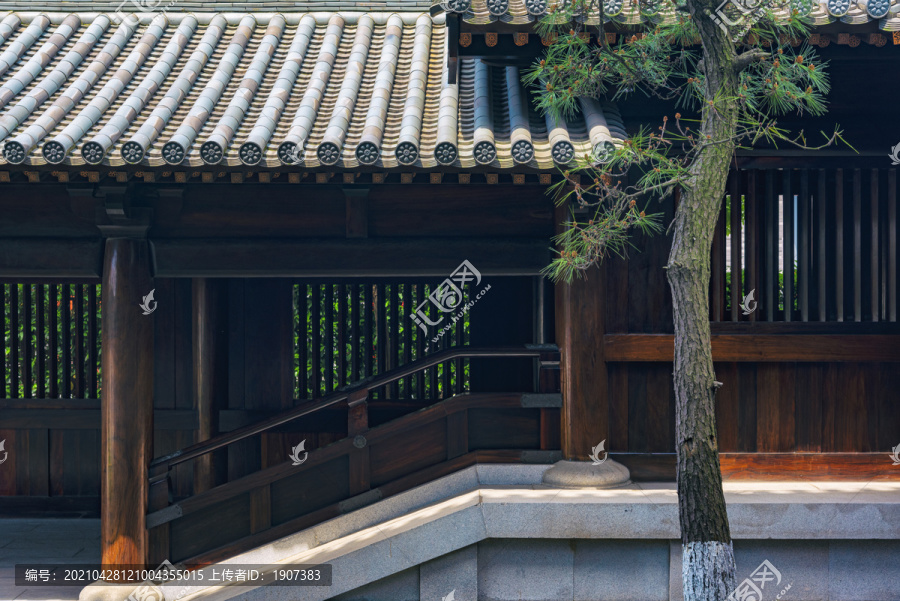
210,375
580,326
357,426
127,401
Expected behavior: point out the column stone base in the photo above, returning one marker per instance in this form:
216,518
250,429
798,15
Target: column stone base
584,474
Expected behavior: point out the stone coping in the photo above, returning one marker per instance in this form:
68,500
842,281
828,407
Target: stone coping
509,501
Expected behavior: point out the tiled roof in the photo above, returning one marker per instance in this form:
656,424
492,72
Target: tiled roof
524,12
321,90
187,6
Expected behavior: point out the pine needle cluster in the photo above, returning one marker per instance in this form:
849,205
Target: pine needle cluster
776,75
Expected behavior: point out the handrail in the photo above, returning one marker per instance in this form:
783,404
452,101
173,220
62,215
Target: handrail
222,440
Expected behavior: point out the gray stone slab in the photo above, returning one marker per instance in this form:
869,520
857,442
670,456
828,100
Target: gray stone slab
500,474
802,564
676,582
537,570
864,570
455,573
821,520
594,520
621,570
399,587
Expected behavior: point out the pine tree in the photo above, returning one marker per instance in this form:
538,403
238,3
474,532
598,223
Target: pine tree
742,75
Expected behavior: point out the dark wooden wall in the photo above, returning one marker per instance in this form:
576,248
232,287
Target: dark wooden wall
838,391
54,443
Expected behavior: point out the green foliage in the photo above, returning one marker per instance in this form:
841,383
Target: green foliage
336,338
37,335
766,77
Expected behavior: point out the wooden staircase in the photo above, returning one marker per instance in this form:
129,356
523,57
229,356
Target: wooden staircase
364,467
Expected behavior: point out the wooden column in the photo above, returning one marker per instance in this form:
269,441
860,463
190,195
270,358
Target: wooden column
210,375
580,326
127,401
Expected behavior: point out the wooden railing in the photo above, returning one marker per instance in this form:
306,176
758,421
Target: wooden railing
817,245
365,459
49,340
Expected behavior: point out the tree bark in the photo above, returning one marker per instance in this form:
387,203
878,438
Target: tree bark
707,555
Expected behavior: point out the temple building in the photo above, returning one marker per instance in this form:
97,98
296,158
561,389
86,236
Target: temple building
272,294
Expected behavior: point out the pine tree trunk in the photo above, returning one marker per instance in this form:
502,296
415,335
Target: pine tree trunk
708,558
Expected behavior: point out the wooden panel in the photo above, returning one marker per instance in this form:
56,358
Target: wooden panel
204,530
727,406
505,429
660,409
747,380
775,408
618,406
810,379
309,490
414,450
637,408
787,208
850,410
458,434
763,348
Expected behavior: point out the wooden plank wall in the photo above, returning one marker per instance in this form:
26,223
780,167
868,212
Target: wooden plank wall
840,252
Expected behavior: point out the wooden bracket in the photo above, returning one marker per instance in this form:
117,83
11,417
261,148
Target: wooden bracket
116,217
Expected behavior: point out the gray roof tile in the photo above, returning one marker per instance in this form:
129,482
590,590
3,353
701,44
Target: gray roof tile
312,90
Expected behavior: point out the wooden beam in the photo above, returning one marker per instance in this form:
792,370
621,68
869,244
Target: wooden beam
50,257
769,466
346,257
127,402
760,348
